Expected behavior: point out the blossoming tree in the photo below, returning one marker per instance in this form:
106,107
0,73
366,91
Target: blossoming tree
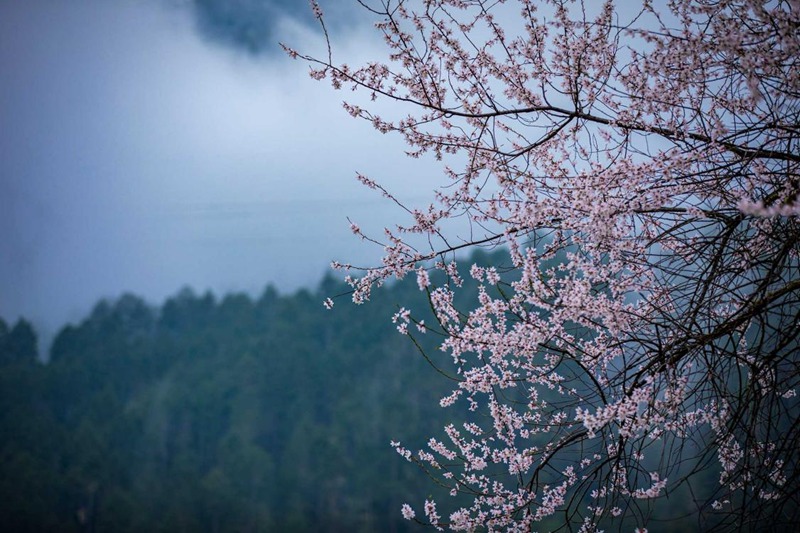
641,163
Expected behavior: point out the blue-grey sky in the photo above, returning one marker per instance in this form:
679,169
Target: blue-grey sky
146,145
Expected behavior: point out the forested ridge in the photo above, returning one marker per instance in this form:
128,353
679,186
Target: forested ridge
230,414
215,414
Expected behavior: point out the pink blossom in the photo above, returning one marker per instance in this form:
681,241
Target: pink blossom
407,511
639,165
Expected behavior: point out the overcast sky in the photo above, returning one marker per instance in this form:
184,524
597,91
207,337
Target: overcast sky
147,145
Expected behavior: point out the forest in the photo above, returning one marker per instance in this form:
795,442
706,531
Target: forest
215,413
230,414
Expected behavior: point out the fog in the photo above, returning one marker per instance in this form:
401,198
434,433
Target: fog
151,145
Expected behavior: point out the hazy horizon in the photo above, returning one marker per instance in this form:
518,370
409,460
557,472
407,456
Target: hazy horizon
149,146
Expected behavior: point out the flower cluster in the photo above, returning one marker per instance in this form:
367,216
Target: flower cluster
640,167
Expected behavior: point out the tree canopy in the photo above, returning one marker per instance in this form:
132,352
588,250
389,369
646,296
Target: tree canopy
213,413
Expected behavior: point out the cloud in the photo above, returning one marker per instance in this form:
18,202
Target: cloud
138,158
248,25
254,26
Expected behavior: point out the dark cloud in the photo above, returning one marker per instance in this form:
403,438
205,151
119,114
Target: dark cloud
253,26
244,24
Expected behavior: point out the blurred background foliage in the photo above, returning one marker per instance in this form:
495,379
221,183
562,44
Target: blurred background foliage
224,414
218,414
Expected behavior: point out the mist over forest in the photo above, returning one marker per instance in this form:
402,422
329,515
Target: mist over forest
166,140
